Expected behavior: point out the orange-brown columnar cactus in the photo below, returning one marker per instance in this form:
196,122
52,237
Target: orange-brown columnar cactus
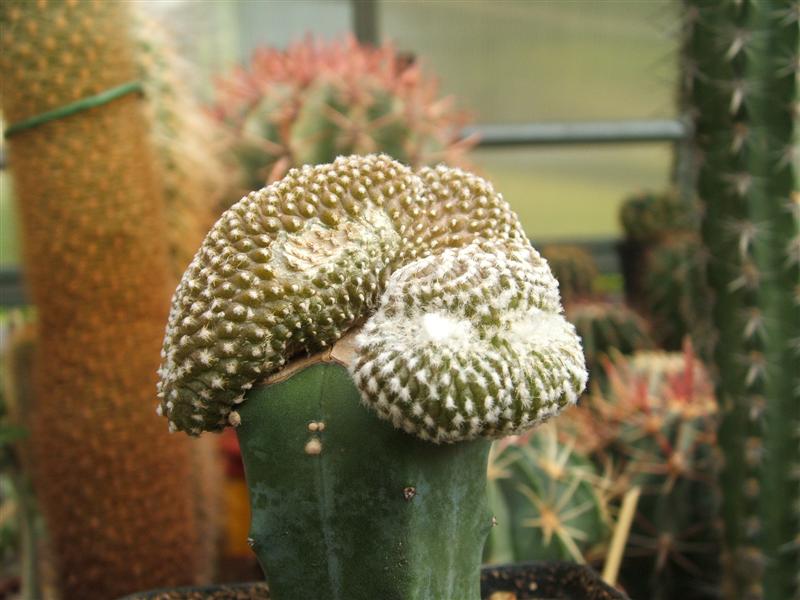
112,486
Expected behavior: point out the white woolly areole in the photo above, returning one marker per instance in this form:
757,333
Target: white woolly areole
440,328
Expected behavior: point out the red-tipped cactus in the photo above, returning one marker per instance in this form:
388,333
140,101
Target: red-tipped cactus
315,101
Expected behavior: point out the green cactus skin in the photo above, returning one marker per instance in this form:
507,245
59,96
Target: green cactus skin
574,269
346,506
740,78
545,499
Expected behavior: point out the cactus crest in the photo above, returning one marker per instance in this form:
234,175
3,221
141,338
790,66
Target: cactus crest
465,335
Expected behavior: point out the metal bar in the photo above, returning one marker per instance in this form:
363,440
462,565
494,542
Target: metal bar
588,132
365,21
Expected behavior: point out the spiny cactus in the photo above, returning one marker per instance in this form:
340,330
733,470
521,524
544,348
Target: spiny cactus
112,487
463,339
548,500
660,415
675,293
574,269
184,137
740,66
315,101
605,327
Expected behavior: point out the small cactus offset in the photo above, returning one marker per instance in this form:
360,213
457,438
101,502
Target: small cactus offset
740,85
575,271
460,338
315,101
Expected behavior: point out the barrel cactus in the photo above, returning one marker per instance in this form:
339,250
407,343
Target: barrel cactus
662,413
315,101
574,269
740,64
458,339
675,294
549,500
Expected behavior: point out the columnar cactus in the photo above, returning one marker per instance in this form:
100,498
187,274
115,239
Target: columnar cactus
185,138
462,339
315,101
112,487
740,85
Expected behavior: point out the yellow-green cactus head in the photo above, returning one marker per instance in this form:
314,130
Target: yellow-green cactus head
464,335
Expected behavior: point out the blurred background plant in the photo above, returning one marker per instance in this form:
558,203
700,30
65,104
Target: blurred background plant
315,101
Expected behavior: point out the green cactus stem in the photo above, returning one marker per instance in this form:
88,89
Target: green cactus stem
740,84
346,506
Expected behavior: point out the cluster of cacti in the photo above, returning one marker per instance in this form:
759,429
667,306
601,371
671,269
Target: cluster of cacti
113,488
574,269
655,421
186,142
463,339
740,66
606,327
315,101
549,501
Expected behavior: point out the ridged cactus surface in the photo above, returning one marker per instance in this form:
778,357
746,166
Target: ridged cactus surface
112,486
290,268
740,84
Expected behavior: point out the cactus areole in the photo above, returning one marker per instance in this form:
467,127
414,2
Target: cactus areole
455,336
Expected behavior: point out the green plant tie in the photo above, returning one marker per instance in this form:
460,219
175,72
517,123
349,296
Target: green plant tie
75,107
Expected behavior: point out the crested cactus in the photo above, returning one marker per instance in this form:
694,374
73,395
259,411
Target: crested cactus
575,271
606,327
549,501
460,339
315,101
112,487
740,86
